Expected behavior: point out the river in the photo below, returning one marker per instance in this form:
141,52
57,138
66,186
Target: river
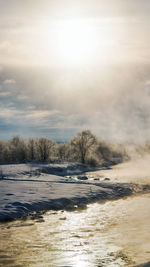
115,233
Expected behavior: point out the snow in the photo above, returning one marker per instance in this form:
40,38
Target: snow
35,169
26,189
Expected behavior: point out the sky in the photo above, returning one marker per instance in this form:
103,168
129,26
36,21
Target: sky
71,65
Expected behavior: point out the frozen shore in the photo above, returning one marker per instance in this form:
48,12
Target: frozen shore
28,190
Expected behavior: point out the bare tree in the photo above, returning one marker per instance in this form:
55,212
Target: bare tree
17,147
31,149
110,153
82,144
43,147
63,151
104,151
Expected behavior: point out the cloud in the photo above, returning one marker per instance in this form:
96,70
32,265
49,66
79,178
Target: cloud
23,39
9,81
38,93
114,100
63,8
7,113
4,94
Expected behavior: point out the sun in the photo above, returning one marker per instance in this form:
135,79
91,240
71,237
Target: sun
73,42
76,42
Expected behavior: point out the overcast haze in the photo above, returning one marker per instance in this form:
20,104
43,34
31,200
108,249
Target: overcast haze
70,65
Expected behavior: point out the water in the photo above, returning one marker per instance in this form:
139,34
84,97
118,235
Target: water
134,171
115,233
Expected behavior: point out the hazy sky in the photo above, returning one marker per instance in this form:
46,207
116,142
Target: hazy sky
70,65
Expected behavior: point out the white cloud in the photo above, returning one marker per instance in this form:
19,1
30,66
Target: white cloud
8,113
38,114
9,81
22,97
3,94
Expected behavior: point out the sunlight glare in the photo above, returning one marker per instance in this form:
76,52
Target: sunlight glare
73,42
78,41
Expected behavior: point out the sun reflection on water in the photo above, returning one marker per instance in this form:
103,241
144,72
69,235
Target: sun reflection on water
102,235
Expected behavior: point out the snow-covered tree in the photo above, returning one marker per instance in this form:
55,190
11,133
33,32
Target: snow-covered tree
43,148
18,149
31,152
82,145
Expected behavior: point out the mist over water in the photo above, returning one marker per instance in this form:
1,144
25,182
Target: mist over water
137,170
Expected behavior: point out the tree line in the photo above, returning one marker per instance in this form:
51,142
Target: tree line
85,148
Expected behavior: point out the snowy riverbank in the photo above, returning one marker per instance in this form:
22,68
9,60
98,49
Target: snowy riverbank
27,190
